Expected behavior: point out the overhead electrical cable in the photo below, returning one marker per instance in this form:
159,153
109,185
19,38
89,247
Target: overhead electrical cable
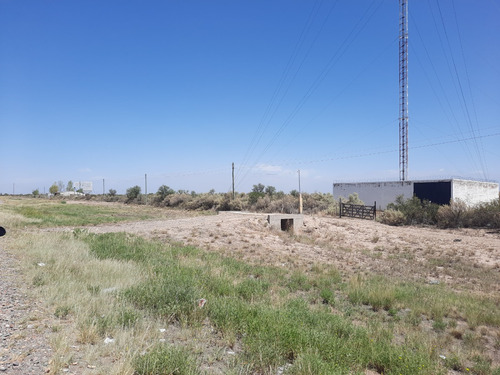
462,96
273,105
338,95
347,42
469,86
472,138
443,94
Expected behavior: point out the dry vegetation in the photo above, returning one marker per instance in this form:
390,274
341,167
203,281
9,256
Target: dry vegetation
413,293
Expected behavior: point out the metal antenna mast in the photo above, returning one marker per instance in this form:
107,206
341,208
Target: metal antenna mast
403,90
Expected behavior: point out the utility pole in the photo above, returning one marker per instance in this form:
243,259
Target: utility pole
233,182
146,186
103,189
300,195
403,90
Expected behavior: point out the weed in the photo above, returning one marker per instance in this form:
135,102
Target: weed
165,360
62,312
453,363
439,325
327,296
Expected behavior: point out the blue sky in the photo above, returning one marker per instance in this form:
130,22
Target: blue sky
179,90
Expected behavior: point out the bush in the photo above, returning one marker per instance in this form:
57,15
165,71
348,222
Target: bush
54,189
354,199
457,214
453,215
415,211
317,202
229,204
163,192
205,202
177,200
288,204
133,193
393,217
254,196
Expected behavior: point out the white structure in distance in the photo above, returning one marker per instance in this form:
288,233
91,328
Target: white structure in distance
437,191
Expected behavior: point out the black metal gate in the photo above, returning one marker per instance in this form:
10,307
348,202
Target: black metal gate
358,211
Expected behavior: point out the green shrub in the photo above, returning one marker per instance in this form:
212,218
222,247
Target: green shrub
163,192
454,215
457,215
254,196
354,199
392,217
415,210
133,192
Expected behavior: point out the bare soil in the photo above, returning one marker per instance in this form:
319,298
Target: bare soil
462,258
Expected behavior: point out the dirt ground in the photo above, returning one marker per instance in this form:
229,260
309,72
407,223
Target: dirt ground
462,258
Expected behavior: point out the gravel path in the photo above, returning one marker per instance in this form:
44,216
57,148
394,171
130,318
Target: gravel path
24,348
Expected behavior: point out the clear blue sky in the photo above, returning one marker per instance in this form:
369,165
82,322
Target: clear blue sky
178,90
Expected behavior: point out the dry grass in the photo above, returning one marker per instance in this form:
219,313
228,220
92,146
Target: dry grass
80,292
80,289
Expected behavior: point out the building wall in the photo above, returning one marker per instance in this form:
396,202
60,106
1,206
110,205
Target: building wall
474,192
381,192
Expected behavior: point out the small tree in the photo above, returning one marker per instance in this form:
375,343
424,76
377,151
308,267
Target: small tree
270,190
112,192
259,188
35,193
133,192
164,191
54,189
69,186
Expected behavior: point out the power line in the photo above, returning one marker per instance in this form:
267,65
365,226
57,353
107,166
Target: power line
462,96
347,42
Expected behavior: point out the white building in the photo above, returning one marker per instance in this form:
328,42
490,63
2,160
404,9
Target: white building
436,191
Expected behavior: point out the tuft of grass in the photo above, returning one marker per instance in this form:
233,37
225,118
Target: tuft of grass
434,301
327,296
165,360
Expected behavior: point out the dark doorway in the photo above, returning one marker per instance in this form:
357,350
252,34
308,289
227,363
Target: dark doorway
287,224
437,192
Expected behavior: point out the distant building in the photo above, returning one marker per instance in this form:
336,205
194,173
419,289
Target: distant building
436,191
70,193
86,186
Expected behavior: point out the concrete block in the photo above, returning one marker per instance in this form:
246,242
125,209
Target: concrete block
286,222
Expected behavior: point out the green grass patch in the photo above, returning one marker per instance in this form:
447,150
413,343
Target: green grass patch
165,360
264,308
434,301
56,214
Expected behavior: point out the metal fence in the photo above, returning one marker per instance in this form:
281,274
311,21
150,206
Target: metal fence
358,211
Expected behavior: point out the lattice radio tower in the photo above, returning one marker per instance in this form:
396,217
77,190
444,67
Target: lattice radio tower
403,90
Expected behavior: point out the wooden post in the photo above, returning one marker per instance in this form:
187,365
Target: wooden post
146,187
233,182
340,207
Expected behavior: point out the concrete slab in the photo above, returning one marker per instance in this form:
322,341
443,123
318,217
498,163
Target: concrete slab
286,222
